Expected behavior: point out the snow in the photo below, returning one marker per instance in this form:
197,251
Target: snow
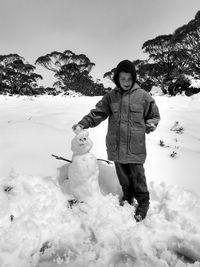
195,83
38,227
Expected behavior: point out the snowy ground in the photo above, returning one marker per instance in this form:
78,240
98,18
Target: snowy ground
37,226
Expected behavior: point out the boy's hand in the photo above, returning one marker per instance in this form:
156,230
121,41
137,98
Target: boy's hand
150,127
77,128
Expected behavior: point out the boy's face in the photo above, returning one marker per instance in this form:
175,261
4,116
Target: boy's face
125,80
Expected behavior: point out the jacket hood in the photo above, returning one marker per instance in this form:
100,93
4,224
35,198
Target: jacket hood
124,66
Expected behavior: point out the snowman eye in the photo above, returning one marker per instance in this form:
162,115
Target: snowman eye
84,138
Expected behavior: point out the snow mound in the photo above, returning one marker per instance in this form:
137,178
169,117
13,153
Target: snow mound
39,228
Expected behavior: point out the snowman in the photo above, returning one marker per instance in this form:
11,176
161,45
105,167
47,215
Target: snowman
83,172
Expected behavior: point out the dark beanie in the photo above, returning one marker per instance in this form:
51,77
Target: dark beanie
124,66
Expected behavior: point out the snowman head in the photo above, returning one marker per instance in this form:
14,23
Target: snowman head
81,143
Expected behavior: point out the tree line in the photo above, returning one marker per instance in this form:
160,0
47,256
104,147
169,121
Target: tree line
71,71
173,60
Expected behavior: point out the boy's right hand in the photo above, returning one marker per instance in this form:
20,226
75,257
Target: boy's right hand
77,128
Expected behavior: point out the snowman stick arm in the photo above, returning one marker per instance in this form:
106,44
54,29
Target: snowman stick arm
107,161
60,158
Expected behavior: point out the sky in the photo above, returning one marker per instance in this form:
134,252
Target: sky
106,31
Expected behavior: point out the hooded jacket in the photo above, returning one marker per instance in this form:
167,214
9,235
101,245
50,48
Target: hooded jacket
129,113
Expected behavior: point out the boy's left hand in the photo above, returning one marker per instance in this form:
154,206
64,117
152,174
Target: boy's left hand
150,127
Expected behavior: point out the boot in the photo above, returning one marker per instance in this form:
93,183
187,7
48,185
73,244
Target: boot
141,211
127,195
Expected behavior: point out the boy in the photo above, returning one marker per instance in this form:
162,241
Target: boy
131,113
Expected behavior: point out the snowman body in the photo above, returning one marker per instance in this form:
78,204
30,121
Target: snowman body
83,172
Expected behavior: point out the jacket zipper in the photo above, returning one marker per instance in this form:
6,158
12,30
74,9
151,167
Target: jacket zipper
120,127
128,125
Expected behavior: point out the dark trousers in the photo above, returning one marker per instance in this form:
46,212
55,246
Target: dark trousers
133,182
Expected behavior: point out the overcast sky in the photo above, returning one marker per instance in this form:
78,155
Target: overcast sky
107,31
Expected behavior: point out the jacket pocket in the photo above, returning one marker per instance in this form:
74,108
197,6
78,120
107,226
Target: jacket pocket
136,112
111,142
137,143
115,107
